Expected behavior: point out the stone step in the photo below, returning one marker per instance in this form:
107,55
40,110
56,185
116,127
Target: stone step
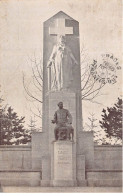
23,189
104,174
20,178
104,178
104,183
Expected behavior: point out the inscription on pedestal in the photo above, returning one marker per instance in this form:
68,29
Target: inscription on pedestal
63,161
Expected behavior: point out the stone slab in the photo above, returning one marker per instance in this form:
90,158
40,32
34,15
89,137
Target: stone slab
104,174
104,183
20,178
14,157
108,157
82,183
45,183
61,189
86,147
104,178
46,168
64,183
63,161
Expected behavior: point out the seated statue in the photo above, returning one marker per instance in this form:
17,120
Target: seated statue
63,120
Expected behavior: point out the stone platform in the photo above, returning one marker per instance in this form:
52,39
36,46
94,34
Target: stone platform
20,178
9,189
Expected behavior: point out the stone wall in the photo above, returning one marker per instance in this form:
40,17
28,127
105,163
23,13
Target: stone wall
107,169
16,168
15,158
19,157
108,157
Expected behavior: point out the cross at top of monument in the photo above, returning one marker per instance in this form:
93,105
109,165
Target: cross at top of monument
60,28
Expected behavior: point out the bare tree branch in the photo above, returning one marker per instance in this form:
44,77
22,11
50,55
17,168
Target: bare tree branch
98,89
28,92
90,86
35,114
36,78
36,85
86,81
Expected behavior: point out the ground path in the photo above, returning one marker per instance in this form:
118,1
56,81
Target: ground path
12,189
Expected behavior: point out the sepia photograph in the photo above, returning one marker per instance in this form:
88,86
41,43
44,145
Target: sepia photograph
61,96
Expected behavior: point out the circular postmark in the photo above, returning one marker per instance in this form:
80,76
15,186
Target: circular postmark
104,70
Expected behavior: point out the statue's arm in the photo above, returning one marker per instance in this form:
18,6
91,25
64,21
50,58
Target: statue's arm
74,60
69,117
55,118
72,57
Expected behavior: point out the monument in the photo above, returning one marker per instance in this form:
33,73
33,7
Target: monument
62,154
62,149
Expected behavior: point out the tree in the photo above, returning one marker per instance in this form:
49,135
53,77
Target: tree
32,126
95,75
33,88
112,120
93,125
12,131
92,122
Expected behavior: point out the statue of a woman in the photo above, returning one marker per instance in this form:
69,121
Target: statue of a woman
61,63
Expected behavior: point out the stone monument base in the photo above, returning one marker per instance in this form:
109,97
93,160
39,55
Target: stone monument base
45,183
63,164
64,183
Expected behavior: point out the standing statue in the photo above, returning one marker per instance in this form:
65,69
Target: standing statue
61,63
63,120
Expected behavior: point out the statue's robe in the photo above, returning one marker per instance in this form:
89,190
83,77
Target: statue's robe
62,67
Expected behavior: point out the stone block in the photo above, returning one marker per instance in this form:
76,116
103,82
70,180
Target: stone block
108,157
85,146
64,183
104,178
20,178
104,183
39,149
80,171
80,162
104,174
15,157
62,166
46,168
82,183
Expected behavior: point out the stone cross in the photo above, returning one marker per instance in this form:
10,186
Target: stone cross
61,25
60,28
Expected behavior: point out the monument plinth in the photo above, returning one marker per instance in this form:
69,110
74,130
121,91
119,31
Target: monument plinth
63,164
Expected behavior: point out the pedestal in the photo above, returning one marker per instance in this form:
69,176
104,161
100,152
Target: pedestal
72,102
63,164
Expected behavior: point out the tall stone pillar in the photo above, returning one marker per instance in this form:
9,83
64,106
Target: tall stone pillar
61,24
61,82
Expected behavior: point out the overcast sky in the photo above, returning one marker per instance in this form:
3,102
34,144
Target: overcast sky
22,35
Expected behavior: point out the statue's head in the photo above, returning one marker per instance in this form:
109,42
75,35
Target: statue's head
60,104
61,39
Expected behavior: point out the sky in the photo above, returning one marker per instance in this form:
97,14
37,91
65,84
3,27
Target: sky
21,36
